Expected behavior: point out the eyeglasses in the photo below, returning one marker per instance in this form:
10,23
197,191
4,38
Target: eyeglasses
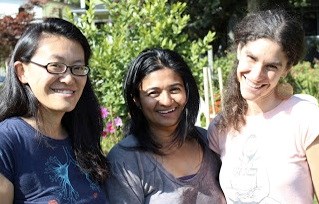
60,68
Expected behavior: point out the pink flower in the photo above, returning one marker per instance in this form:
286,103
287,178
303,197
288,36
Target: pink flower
110,128
104,112
118,122
104,133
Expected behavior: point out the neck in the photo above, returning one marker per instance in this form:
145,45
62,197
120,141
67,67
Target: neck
48,124
262,105
164,136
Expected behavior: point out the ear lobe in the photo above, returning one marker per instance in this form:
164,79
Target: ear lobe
20,71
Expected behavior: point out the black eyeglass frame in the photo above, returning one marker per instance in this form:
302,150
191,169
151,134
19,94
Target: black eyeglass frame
66,67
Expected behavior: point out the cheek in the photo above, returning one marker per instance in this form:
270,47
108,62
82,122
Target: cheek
37,76
181,99
239,72
274,78
243,66
148,103
38,83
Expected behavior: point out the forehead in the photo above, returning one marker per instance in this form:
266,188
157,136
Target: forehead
161,77
52,46
265,48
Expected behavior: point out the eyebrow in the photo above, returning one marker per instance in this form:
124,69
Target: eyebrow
172,85
276,63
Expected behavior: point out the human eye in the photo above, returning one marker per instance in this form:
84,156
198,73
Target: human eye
56,67
153,93
79,69
251,57
272,67
175,90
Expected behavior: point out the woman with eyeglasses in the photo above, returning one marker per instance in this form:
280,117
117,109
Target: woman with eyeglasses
50,120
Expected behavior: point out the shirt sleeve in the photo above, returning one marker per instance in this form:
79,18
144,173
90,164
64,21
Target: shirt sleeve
213,139
310,127
6,154
123,185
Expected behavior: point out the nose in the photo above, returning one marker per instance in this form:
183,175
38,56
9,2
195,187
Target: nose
67,77
166,99
257,72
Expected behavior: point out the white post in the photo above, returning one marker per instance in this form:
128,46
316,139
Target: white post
210,83
206,96
82,4
220,80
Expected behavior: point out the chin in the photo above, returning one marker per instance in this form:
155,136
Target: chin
248,96
64,109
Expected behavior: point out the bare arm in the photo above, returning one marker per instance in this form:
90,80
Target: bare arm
6,190
312,154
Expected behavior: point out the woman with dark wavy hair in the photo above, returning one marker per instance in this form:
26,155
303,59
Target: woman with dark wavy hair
164,158
50,120
267,137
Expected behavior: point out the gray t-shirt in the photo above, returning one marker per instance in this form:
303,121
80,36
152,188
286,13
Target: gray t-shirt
137,177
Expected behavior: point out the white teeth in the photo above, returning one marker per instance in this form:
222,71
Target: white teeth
63,91
167,111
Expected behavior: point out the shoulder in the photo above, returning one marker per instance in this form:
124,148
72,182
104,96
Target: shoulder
302,104
307,98
11,127
125,156
201,130
11,123
125,150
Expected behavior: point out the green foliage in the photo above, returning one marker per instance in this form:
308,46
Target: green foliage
133,26
226,64
299,3
305,79
108,142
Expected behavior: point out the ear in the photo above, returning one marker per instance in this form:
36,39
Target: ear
239,48
137,102
21,72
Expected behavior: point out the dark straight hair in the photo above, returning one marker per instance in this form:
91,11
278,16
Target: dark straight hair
84,123
148,61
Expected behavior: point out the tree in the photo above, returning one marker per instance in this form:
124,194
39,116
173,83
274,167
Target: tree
11,29
220,16
133,26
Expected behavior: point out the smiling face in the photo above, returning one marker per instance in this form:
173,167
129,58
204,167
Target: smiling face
261,64
162,98
58,93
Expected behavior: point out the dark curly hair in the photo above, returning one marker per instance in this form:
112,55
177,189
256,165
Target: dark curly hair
277,25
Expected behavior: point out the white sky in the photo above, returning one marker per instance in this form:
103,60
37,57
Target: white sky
11,7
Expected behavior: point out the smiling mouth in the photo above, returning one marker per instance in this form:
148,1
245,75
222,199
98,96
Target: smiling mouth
253,85
167,111
63,91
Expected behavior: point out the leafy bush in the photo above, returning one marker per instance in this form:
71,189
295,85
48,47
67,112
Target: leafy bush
305,79
112,129
132,27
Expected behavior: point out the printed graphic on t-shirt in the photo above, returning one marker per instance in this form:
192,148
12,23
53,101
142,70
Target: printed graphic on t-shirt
248,180
59,173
